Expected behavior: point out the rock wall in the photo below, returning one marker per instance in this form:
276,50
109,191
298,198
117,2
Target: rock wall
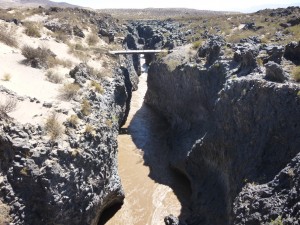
230,126
70,181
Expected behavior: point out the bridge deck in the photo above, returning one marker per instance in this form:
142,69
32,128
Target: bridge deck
120,52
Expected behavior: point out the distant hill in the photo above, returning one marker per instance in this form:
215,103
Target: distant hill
33,3
160,13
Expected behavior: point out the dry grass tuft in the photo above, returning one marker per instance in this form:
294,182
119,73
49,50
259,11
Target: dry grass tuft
97,87
86,108
32,29
54,77
8,36
296,73
6,77
196,44
92,39
73,120
53,127
89,129
69,91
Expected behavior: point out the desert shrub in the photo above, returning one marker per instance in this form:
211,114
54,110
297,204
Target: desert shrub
69,91
6,77
86,107
92,39
73,120
8,37
296,73
32,29
97,87
41,53
53,127
8,106
54,77
196,44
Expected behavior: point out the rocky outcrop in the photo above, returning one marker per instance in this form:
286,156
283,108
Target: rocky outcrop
274,72
229,126
277,200
72,180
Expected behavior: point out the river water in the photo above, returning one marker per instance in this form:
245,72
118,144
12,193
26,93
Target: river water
152,190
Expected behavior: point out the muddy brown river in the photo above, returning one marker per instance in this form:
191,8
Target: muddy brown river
152,190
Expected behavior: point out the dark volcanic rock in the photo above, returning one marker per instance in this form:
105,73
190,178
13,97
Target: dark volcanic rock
227,132
292,52
277,200
275,53
78,32
81,73
68,181
274,72
211,49
245,54
171,220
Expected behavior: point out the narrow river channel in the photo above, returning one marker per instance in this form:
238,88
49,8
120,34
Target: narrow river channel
152,190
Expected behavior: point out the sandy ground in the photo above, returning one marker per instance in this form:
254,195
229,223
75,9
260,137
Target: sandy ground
32,83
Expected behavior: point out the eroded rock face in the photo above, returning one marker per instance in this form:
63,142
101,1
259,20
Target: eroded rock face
277,200
69,181
227,130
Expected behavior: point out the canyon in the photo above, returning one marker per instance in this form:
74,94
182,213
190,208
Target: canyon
206,134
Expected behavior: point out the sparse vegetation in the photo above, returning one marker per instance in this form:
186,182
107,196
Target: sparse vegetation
277,221
69,91
54,61
73,120
89,129
54,77
8,36
86,107
39,54
4,214
196,44
296,73
78,51
6,77
53,127
92,39
32,29
8,106
97,87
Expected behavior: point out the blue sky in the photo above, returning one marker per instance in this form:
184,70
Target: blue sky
219,5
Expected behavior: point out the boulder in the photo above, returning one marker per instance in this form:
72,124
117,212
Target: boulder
274,72
292,52
171,220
